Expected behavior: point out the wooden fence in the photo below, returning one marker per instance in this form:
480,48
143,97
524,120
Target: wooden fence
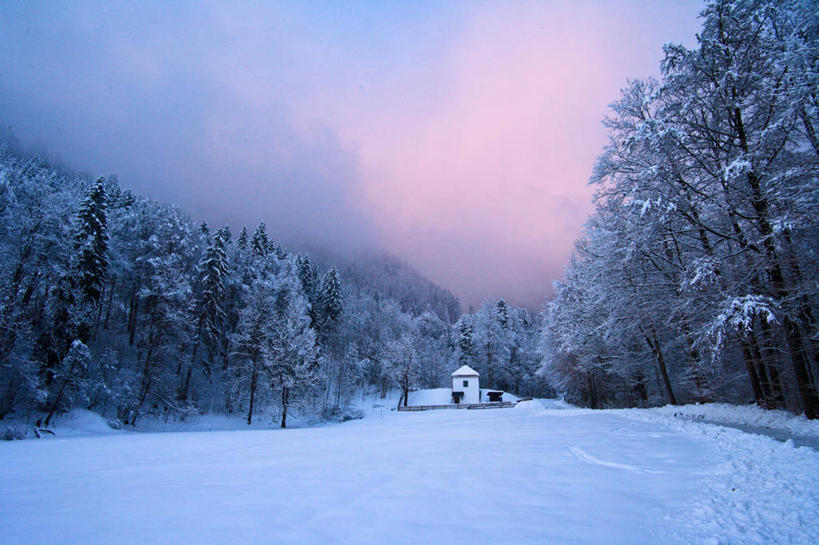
495,405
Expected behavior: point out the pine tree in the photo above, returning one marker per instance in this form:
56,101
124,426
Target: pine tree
225,234
308,276
91,244
243,239
210,312
502,311
332,299
260,243
278,251
465,343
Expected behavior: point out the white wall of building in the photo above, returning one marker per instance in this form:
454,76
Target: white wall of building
471,391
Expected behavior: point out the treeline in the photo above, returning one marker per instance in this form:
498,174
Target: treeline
122,305
501,343
696,277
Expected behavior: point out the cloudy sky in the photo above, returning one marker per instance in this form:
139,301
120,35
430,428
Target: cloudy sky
456,135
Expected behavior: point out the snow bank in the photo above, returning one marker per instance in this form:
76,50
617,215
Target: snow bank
434,396
759,489
83,423
80,423
211,422
557,404
532,407
745,415
374,406
75,423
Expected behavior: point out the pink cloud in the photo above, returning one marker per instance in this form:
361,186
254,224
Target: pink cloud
477,172
457,135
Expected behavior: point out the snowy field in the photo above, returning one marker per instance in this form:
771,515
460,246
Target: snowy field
541,472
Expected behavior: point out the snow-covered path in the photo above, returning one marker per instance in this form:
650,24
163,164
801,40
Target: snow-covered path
522,475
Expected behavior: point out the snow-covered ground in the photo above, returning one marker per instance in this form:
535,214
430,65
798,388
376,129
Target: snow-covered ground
537,473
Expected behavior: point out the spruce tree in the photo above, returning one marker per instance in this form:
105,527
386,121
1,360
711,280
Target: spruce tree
210,313
308,276
502,310
243,238
91,244
225,234
260,243
466,346
332,298
278,251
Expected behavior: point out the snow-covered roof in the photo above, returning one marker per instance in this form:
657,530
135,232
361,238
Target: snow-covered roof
465,371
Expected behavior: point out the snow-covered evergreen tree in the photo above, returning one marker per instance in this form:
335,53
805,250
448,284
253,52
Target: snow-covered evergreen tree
308,275
331,296
91,243
259,242
210,313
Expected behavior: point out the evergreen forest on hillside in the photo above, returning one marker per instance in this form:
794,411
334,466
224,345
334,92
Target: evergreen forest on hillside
122,305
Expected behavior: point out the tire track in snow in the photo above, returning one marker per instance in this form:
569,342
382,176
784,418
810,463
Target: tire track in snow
586,457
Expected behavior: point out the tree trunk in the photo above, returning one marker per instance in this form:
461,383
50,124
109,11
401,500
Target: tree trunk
807,393
95,326
747,357
796,344
640,388
658,354
254,378
592,391
146,380
285,395
186,385
132,318
109,304
339,382
489,363
56,402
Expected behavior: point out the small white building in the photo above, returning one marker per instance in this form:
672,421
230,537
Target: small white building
466,386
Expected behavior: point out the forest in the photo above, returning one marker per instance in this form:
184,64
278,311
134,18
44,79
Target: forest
695,278
119,304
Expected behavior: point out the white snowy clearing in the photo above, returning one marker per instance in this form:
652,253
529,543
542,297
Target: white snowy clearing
541,472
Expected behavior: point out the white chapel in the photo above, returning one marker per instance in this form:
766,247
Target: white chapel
466,385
